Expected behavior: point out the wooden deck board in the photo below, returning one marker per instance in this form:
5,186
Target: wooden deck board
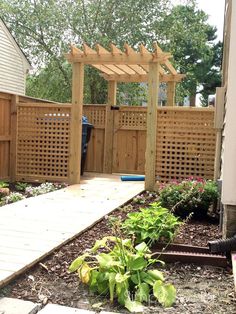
32,228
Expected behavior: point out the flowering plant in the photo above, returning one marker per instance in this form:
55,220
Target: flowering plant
189,196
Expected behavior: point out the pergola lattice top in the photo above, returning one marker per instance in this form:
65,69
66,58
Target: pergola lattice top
127,66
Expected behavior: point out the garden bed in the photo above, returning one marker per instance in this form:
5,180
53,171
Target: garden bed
15,191
199,288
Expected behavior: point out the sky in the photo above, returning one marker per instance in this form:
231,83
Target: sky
215,10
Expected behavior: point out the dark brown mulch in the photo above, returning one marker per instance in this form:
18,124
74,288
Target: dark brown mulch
199,289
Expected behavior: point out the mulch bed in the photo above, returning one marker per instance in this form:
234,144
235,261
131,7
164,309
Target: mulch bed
200,289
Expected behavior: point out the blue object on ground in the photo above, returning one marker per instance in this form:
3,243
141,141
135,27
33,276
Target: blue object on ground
132,178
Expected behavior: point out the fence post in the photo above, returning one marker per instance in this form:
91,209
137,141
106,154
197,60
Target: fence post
150,156
13,152
218,125
109,126
76,122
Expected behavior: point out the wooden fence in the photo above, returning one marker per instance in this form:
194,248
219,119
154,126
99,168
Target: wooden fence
186,141
35,140
43,134
5,134
127,129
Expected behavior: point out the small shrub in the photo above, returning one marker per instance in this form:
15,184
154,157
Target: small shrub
189,196
13,197
4,184
122,271
41,189
151,224
21,186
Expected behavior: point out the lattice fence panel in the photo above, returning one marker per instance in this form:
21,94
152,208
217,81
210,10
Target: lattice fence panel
132,118
43,132
96,115
186,143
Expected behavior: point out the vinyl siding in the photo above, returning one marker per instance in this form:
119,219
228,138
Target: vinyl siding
229,151
12,69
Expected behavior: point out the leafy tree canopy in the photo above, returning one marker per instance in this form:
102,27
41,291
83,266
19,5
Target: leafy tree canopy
192,41
44,29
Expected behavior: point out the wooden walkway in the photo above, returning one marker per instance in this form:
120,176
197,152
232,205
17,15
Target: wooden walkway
34,227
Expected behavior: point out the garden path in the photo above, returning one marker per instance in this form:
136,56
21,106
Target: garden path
32,228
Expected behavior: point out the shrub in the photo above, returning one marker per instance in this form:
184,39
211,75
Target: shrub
151,224
41,189
189,196
4,184
13,197
21,186
123,273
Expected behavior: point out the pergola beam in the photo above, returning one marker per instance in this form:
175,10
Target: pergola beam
117,59
142,78
127,66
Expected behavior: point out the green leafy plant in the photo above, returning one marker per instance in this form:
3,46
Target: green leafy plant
189,196
13,197
21,186
151,224
4,184
121,270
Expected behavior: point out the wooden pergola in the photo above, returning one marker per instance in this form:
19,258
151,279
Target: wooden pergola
118,66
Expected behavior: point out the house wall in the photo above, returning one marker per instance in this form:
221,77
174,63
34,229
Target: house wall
229,165
13,65
229,151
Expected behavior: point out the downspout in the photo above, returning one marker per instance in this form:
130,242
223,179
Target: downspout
223,246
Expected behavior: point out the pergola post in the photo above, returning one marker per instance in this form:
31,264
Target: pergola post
76,122
171,93
150,157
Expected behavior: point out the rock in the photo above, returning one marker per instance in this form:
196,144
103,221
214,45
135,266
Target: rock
4,192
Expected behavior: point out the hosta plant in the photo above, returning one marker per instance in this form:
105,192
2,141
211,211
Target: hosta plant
21,186
152,224
122,271
189,196
4,184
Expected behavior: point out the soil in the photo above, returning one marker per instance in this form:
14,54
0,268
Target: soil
200,289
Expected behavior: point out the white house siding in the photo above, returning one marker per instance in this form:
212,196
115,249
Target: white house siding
229,154
13,65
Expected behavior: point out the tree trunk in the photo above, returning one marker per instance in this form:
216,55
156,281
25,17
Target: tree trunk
193,100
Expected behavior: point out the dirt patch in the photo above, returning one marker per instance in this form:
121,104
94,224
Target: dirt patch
200,289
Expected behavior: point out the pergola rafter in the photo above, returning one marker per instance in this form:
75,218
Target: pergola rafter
127,66
120,66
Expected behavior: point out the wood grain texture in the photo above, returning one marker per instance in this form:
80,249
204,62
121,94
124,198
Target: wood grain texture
150,155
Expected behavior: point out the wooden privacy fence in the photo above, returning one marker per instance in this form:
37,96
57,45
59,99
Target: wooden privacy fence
186,141
6,125
43,134
185,144
35,140
118,140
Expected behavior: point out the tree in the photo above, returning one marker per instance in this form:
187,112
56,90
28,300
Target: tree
191,40
46,28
